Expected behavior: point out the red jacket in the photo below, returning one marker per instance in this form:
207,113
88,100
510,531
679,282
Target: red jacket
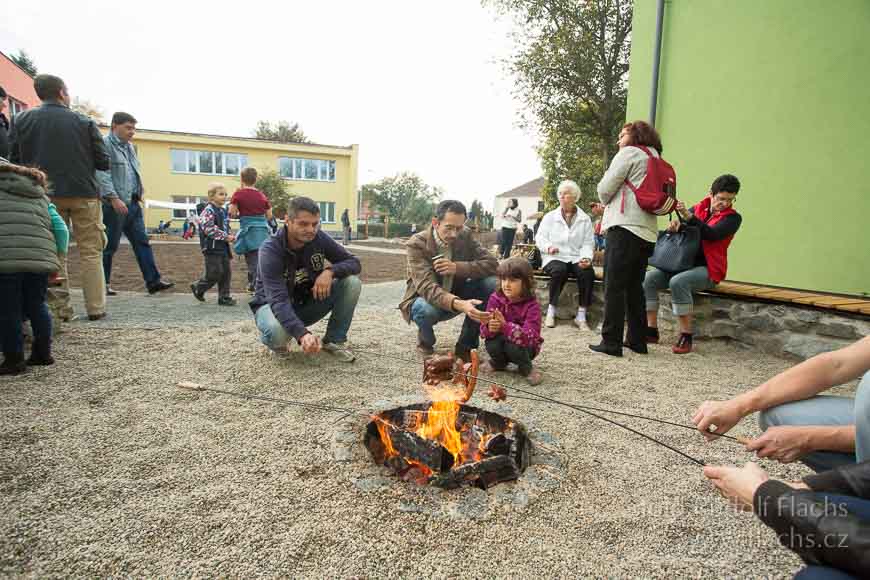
715,251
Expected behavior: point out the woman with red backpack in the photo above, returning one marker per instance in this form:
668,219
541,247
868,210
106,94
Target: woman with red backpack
631,233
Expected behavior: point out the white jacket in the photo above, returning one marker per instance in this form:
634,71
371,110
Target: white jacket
511,218
629,163
574,243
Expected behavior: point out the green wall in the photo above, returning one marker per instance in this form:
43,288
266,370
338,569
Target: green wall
776,92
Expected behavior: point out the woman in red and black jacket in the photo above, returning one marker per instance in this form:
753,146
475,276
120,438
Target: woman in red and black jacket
718,222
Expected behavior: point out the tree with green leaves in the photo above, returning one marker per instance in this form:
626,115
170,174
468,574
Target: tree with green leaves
275,188
23,60
571,70
405,197
570,156
282,131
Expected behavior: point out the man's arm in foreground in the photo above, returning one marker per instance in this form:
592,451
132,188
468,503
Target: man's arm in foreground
800,382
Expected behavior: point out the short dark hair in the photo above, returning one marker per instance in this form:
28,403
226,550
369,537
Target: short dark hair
48,87
121,117
642,133
249,176
725,182
2,93
519,269
298,204
451,205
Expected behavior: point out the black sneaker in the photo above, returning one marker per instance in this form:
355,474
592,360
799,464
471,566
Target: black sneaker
13,364
39,360
196,294
160,286
604,349
227,301
638,348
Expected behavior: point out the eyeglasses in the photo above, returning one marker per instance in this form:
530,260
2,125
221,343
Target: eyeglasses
725,200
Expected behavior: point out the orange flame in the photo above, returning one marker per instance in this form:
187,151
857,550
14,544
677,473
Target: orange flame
389,450
440,425
437,424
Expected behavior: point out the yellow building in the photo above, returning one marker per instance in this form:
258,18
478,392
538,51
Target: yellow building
177,167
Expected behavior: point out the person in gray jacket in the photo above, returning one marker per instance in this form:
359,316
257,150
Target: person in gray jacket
122,192
28,254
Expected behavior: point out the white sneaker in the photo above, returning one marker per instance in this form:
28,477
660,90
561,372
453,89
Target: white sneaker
550,322
339,351
580,320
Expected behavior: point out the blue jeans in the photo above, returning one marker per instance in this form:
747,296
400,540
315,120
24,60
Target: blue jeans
854,506
23,295
341,302
681,285
426,316
131,225
828,410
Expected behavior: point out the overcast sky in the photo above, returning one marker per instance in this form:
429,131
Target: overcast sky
419,85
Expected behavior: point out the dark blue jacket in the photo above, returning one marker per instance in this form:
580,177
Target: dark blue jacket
280,267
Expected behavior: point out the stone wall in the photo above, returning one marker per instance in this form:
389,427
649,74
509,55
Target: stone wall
786,330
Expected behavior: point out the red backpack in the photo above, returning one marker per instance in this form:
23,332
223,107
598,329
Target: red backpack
657,193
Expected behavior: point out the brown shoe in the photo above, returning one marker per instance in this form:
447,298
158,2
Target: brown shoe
99,316
535,377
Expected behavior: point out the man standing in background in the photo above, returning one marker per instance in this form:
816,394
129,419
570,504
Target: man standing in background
69,148
122,192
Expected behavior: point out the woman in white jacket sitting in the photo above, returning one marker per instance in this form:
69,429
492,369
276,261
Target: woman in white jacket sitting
566,242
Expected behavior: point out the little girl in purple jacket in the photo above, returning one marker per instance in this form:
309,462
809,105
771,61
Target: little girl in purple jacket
513,333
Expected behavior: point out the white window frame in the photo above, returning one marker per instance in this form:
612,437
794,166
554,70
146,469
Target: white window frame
15,106
324,207
242,157
194,199
296,166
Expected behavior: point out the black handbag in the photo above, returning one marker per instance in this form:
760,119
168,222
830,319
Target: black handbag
676,251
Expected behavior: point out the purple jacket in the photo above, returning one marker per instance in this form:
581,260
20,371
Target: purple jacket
285,277
523,320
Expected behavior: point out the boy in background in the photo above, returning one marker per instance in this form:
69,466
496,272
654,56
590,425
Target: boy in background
254,211
215,242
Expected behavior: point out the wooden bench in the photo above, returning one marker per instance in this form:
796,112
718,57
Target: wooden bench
851,304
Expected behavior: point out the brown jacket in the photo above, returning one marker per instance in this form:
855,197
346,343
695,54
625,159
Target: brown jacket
472,261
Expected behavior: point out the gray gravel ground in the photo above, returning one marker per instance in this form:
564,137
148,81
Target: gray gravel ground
107,468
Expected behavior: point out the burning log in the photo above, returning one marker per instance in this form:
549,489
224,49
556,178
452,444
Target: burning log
485,473
415,449
448,444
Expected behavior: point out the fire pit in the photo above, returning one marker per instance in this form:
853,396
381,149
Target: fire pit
448,444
